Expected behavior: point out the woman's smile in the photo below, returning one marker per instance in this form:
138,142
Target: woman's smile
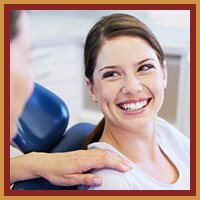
134,107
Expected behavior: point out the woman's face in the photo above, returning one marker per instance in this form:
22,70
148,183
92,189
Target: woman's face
128,82
21,85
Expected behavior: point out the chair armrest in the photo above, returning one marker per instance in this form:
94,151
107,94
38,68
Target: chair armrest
73,138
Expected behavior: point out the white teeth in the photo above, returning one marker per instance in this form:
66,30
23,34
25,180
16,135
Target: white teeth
132,106
138,105
125,106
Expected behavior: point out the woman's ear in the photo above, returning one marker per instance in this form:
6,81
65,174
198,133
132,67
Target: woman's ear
164,69
91,91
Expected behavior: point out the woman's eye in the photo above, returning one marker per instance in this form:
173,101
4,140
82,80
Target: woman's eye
110,74
145,67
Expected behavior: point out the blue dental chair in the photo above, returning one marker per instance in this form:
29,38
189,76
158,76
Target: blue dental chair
42,128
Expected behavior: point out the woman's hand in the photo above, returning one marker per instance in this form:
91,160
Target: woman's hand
67,169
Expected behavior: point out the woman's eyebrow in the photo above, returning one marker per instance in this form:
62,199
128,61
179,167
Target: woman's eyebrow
146,59
107,67
114,67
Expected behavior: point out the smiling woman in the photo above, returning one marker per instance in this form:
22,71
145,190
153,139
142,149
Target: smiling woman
126,74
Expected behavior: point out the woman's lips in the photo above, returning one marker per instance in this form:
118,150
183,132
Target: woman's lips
134,107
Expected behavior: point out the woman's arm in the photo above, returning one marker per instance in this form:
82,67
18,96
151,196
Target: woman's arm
66,168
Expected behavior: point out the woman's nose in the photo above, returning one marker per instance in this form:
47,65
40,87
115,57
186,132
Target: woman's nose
131,86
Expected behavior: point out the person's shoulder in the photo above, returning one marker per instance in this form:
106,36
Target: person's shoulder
167,132
111,180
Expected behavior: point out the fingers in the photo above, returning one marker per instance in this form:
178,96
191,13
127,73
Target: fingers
84,179
117,162
107,158
66,168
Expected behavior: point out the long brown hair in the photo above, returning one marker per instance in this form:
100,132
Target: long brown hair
95,135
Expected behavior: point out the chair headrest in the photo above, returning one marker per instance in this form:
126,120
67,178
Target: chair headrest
43,121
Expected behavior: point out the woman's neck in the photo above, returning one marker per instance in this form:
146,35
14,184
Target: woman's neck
135,145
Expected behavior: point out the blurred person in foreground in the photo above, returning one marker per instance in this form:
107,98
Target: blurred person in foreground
64,169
